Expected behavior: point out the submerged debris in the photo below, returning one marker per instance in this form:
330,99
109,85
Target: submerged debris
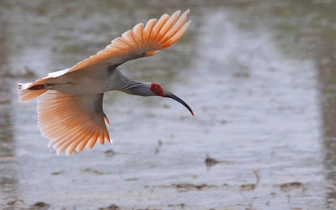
188,187
57,172
251,186
110,153
111,207
209,161
290,186
15,202
157,149
184,187
181,205
248,187
40,205
130,179
92,171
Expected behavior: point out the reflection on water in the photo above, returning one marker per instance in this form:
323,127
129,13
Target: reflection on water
8,170
326,63
250,70
312,25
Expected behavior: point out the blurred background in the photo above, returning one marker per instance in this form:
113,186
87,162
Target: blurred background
259,75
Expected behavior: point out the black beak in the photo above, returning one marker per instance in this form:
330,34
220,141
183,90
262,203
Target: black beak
170,95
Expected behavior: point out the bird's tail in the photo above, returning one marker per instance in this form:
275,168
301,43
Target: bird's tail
26,94
29,91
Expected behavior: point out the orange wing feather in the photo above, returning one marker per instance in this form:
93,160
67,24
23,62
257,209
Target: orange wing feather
72,122
140,42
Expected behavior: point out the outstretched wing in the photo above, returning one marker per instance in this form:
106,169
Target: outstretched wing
72,122
142,41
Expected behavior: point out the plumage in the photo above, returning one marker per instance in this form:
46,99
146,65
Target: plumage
118,52
70,112
67,120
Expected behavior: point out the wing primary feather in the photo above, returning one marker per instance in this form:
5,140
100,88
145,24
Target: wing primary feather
124,42
92,142
178,35
101,135
127,37
44,122
101,140
170,22
163,19
77,134
86,134
156,30
142,34
68,142
134,38
55,135
67,137
120,44
74,144
178,24
149,30
106,120
137,34
84,140
106,136
165,38
55,142
82,145
58,134
53,130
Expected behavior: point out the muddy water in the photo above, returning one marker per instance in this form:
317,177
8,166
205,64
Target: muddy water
259,76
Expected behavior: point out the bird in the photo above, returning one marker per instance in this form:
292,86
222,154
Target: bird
70,101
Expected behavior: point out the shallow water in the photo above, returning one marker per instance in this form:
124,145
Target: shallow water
259,76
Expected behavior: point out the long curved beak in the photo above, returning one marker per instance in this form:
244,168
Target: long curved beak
170,95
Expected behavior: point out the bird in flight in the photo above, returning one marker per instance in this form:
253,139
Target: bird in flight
70,101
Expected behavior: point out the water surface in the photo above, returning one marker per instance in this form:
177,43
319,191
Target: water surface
259,76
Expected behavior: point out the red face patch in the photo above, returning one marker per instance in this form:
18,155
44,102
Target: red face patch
157,89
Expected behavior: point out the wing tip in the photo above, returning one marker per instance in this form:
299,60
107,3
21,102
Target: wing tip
187,24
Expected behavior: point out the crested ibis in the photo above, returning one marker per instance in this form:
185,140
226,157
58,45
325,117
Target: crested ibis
70,101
